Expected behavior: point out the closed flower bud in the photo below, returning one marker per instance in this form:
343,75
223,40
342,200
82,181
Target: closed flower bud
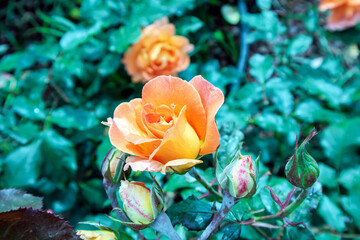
96,235
137,202
239,177
302,170
112,166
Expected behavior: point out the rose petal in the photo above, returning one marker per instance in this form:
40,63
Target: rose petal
330,4
179,165
212,98
124,126
167,90
343,17
143,164
180,141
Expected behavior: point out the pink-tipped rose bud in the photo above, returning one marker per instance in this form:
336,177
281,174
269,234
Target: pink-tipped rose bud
239,177
137,202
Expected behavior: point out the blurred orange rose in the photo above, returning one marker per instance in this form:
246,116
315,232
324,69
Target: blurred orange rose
344,13
157,52
170,126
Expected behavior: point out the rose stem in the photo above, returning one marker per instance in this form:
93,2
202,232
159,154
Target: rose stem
162,224
289,209
227,204
203,182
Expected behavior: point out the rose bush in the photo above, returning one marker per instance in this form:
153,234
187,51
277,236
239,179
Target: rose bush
344,13
157,52
170,126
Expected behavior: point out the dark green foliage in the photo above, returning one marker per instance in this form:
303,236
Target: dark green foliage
192,213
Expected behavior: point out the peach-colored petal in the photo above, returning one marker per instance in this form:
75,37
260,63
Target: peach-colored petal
343,17
143,164
179,165
124,127
181,141
212,98
330,4
167,90
353,2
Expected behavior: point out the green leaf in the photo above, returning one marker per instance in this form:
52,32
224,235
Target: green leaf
123,37
231,232
74,38
22,166
188,24
60,155
298,233
328,175
11,199
109,64
27,223
29,108
332,214
299,45
340,142
264,4
24,133
261,67
311,111
192,213
93,192
350,178
279,93
69,117
351,206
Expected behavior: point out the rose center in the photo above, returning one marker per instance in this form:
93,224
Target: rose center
159,119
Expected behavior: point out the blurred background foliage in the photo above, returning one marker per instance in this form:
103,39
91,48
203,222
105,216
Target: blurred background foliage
61,75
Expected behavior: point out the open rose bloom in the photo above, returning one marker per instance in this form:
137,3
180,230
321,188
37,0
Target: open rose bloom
170,126
344,13
157,52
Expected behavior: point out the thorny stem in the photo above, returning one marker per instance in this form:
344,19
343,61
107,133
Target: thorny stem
289,209
227,204
162,224
203,182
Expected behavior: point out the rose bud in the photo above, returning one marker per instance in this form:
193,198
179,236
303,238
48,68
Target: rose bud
113,164
239,177
138,203
96,235
302,170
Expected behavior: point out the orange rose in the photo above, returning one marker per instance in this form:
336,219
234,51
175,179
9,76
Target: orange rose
170,126
157,52
344,13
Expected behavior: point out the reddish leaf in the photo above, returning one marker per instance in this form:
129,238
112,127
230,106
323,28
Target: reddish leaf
30,224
